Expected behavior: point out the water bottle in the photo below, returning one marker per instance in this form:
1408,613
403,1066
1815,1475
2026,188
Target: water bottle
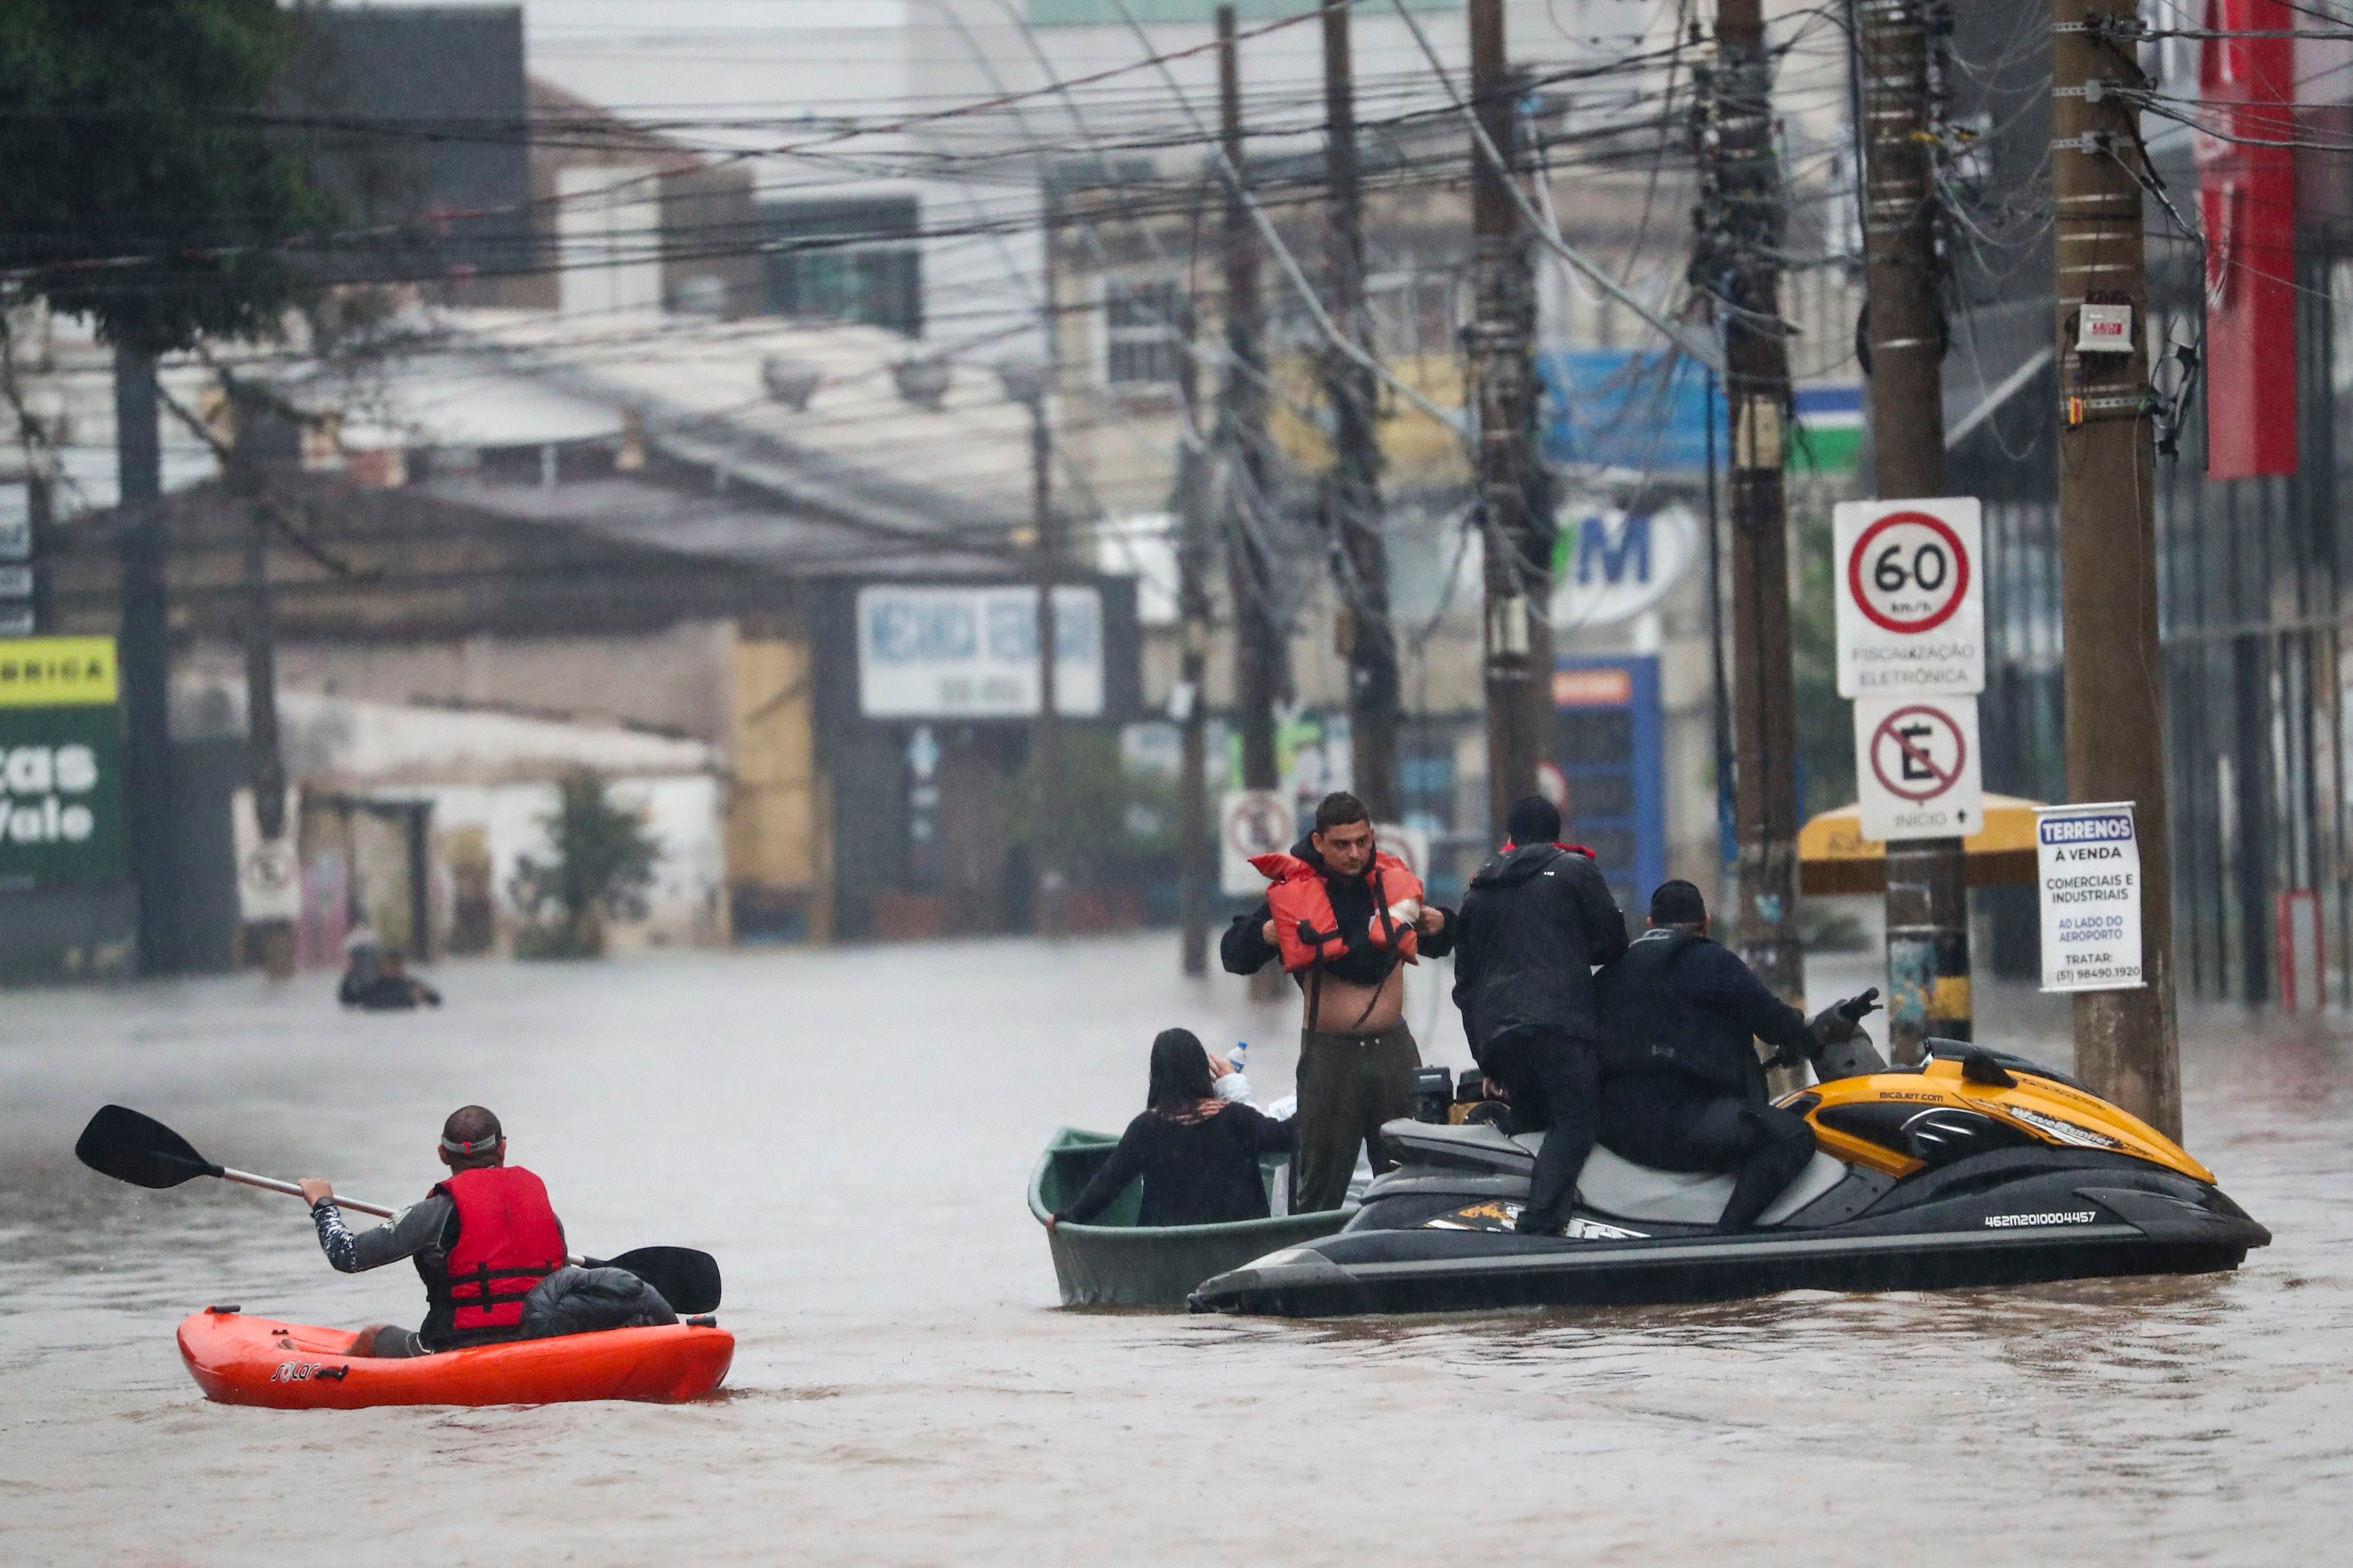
1241,1058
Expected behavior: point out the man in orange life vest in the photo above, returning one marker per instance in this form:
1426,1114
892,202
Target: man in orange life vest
1343,919
480,1239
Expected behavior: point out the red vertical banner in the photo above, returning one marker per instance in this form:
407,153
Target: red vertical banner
2247,195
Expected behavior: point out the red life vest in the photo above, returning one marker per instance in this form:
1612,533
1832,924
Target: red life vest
508,1241
1307,930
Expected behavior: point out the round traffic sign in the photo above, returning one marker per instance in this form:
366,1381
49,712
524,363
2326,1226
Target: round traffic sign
1908,572
270,866
1258,825
1917,752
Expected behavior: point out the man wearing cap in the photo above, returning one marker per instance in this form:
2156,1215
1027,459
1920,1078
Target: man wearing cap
1682,1088
480,1239
1536,921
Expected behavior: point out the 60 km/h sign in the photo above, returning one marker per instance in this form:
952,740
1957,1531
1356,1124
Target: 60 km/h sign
1911,598
1917,773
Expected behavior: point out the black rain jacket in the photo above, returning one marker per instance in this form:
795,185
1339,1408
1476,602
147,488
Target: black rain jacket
1535,922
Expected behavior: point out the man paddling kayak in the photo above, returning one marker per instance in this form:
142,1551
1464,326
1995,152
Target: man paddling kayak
481,1241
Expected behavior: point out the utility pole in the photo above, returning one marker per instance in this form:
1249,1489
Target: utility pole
1241,421
2125,1043
272,940
1517,535
1195,859
1353,496
1047,739
41,522
1744,217
143,652
1927,881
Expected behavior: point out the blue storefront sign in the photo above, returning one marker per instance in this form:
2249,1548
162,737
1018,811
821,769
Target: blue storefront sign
1607,746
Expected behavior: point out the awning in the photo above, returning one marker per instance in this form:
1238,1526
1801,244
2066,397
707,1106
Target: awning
1833,857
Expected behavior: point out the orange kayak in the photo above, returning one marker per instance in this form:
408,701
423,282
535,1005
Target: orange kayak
238,1360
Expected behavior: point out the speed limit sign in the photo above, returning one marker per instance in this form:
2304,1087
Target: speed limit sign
1911,597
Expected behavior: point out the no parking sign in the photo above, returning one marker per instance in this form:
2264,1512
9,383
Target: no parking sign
1911,597
1917,772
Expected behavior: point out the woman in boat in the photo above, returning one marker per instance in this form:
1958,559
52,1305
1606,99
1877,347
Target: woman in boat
1196,1153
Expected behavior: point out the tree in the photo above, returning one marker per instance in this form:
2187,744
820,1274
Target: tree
143,188
143,184
604,863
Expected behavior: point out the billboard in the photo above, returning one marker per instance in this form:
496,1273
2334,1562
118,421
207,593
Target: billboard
60,763
972,653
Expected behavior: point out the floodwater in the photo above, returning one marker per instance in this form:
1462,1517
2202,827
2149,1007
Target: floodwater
852,1131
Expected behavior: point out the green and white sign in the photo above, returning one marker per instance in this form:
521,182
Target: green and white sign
60,764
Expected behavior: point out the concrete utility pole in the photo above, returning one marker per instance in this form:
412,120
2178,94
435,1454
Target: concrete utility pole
1045,844
1927,881
1353,495
1258,654
272,940
1512,494
40,518
1197,863
2125,1043
143,651
1744,217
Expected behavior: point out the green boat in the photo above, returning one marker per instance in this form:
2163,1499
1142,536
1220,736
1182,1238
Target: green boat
1116,1262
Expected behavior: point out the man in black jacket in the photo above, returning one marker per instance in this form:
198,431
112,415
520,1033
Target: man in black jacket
1537,920
1682,1088
1356,1055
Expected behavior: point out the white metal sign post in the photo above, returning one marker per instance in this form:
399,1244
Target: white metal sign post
2089,857
1911,597
1917,769
1251,822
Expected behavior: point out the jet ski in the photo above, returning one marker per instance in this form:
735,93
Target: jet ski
1977,1167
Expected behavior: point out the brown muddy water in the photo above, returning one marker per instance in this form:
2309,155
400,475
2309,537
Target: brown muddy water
852,1131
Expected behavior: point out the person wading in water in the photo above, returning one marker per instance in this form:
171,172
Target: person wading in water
1343,918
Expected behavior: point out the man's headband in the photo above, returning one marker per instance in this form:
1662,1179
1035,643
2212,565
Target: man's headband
464,1149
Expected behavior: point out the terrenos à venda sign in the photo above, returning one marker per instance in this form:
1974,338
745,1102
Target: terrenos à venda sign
1611,565
972,653
2089,863
60,763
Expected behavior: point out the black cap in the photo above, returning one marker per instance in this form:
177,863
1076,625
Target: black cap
1677,903
1533,820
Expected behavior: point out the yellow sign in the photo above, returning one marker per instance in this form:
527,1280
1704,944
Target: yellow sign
57,672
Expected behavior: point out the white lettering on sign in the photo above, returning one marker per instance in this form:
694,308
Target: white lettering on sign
2088,860
32,779
1911,597
1918,768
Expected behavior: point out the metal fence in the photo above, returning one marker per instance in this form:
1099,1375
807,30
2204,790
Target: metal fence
2250,596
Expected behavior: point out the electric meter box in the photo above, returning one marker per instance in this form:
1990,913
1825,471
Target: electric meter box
2103,329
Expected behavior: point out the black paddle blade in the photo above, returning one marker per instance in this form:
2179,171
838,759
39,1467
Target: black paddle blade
688,1279
121,1143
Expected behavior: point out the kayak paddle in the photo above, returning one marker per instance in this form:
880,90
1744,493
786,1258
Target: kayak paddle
140,1149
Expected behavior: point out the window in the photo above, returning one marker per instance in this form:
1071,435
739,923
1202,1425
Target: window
846,262
1142,333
